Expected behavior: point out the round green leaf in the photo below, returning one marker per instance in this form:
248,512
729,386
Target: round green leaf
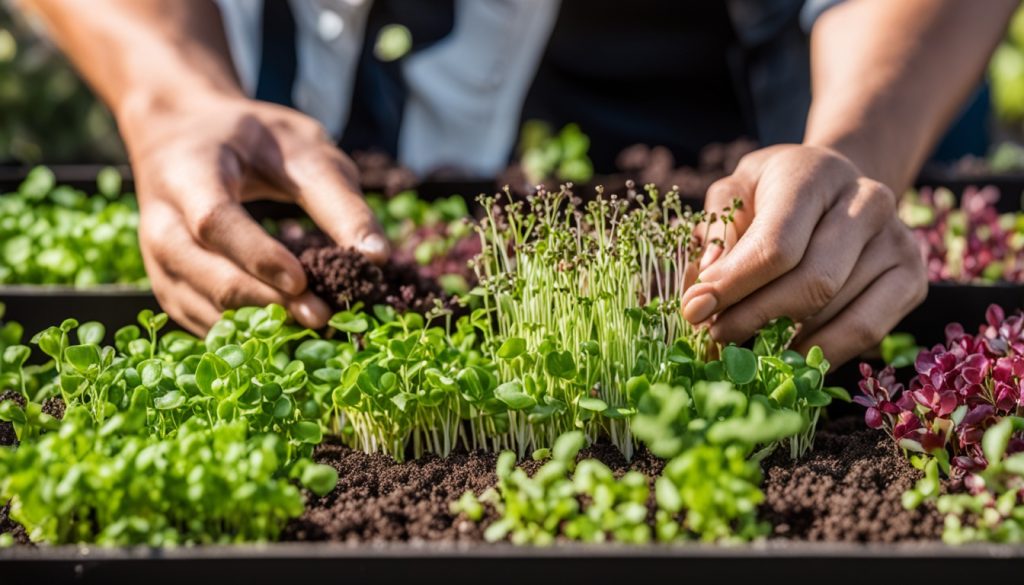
740,364
512,395
283,407
594,404
512,348
307,432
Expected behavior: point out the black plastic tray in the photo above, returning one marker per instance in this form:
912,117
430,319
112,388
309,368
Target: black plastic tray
1011,187
38,307
770,562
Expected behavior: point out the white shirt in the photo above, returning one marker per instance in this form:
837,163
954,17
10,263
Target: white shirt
465,91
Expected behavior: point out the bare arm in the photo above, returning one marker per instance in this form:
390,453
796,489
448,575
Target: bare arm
199,148
818,238
145,50
889,77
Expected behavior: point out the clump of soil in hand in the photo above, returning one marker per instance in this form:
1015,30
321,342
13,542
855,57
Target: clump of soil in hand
343,276
7,435
848,489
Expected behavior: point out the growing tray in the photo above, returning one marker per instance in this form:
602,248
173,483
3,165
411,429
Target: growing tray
1011,187
770,562
38,307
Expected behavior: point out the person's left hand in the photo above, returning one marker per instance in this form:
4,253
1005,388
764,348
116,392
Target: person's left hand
815,241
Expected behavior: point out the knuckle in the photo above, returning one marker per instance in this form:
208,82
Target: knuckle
227,292
207,223
776,256
821,287
878,198
719,194
866,333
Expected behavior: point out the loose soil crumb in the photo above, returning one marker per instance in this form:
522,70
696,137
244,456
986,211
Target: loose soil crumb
848,489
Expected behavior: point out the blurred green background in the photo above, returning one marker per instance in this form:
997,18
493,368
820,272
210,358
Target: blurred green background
47,114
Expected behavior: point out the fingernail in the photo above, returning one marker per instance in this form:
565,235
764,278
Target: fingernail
284,282
374,246
709,256
311,313
700,308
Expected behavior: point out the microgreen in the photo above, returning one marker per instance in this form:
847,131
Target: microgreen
960,416
168,438
52,234
589,297
969,244
562,156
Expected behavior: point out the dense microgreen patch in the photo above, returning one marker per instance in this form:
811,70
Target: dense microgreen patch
961,416
165,439
971,243
713,434
585,299
52,234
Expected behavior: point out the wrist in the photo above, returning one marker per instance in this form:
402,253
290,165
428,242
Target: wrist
146,107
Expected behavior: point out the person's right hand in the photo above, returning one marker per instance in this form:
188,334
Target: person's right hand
195,165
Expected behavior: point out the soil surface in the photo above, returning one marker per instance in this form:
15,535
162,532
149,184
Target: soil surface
847,489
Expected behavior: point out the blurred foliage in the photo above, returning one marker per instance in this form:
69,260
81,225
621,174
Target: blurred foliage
47,113
1006,71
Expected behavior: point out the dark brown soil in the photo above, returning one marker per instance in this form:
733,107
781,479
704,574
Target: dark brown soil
378,499
16,530
848,489
54,407
343,276
7,436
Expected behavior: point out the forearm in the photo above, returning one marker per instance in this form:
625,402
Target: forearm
888,77
143,54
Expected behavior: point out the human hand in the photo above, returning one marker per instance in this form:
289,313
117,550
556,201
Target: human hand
815,241
195,166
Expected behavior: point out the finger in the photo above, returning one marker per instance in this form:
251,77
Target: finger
777,238
325,183
184,306
834,253
724,193
864,323
733,197
232,288
892,247
216,220
219,280
196,312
